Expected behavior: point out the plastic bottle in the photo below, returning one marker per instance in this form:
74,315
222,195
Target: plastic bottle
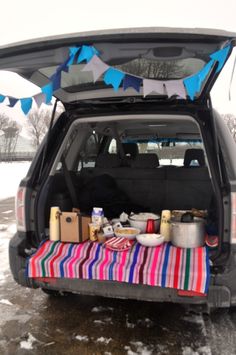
54,224
165,224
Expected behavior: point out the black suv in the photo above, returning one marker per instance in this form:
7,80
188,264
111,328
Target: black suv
156,135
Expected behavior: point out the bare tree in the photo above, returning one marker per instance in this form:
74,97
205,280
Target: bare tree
37,127
155,69
10,137
4,121
39,121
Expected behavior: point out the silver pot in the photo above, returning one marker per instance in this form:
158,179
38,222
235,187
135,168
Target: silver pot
188,235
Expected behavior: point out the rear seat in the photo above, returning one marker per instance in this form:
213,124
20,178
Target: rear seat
187,188
157,187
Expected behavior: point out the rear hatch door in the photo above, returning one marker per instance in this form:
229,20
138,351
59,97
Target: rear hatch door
165,62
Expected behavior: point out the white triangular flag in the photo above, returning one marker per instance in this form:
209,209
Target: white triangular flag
6,101
39,99
97,66
175,87
150,86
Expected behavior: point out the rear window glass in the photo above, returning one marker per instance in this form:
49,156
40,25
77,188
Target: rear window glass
169,151
146,60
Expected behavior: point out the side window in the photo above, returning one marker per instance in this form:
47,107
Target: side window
89,153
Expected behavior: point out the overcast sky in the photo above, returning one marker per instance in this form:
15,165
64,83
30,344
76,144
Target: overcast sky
26,19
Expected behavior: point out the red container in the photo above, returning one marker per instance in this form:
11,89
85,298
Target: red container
150,228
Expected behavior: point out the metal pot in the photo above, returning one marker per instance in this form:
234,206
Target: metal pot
188,234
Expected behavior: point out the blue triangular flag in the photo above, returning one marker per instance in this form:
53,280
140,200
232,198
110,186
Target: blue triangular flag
2,98
132,81
87,53
56,80
113,77
220,56
47,90
191,85
73,52
26,104
202,74
12,101
64,66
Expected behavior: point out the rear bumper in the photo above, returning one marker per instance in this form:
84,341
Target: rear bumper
222,292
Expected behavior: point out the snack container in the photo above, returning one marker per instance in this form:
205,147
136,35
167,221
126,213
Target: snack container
94,228
108,231
97,215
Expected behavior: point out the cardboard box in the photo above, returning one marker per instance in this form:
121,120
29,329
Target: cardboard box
74,227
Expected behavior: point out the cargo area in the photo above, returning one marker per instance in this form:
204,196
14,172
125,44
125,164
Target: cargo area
129,167
142,165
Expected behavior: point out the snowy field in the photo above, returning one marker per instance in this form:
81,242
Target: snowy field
10,176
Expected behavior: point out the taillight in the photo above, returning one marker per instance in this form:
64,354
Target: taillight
20,209
233,217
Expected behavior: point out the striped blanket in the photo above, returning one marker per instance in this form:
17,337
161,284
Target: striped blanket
165,265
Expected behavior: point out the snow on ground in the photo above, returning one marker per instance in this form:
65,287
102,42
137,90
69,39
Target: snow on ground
101,309
4,301
11,174
104,340
28,343
5,236
82,338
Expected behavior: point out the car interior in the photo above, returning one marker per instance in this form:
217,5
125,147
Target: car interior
130,165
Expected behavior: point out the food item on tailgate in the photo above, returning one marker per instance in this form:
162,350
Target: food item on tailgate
108,230
54,224
124,217
117,225
97,215
199,213
101,237
119,244
177,214
165,224
150,240
74,227
127,232
94,228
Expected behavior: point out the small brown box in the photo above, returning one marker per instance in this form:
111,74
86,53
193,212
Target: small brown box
74,227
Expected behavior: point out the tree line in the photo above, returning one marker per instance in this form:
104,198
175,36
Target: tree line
38,122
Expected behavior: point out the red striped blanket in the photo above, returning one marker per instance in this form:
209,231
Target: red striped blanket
165,265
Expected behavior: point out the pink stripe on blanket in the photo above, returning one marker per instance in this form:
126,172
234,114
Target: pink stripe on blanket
153,272
103,265
73,260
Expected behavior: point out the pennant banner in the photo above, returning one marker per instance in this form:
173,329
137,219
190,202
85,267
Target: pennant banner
97,66
188,87
113,77
131,81
153,86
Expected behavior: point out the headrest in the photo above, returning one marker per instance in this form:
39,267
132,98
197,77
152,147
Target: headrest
145,161
130,149
194,154
107,160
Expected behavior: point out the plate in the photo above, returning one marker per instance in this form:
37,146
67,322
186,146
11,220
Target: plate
127,232
150,240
